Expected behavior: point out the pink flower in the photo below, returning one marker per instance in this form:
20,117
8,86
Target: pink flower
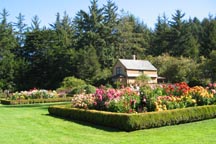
100,97
210,84
130,111
95,103
213,91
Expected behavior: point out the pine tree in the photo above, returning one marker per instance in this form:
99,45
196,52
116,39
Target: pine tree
208,41
7,59
133,38
160,44
87,64
35,26
177,36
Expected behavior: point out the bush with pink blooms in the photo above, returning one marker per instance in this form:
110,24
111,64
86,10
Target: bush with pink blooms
116,100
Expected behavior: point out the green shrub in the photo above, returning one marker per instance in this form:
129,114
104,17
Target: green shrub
3,94
87,89
72,85
115,120
71,82
136,121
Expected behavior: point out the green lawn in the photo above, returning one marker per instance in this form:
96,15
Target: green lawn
31,124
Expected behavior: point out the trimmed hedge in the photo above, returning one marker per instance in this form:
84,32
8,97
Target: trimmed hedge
33,101
131,122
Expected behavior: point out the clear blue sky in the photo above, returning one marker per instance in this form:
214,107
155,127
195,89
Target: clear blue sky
146,10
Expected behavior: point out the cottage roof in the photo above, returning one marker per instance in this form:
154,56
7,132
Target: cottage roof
137,64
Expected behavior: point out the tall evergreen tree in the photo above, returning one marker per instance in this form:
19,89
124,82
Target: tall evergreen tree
21,28
46,60
35,23
109,35
7,59
131,40
208,42
160,43
191,45
88,27
88,66
176,36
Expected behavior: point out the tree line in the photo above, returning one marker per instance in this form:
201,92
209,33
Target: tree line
88,45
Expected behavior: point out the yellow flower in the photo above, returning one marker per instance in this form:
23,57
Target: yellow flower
193,101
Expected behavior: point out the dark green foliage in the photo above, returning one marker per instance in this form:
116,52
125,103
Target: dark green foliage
176,69
88,65
115,120
71,82
131,122
133,39
160,42
212,65
7,58
72,85
88,89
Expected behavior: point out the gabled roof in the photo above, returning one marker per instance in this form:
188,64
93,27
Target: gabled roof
137,64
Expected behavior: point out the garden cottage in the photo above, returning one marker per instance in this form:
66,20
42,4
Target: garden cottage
127,70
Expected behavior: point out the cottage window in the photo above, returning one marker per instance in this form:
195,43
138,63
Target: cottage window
118,70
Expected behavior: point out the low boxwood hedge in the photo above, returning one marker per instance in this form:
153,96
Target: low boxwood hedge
33,101
136,121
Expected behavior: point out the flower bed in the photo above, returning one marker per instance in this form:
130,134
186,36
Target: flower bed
114,100
153,106
149,98
34,96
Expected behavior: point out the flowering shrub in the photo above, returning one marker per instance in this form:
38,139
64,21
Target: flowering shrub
128,101
177,89
83,101
173,102
212,88
34,94
202,95
170,96
148,97
103,97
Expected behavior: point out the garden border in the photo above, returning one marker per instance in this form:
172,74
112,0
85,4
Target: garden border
135,121
33,101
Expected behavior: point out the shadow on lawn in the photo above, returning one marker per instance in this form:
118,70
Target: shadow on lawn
104,128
